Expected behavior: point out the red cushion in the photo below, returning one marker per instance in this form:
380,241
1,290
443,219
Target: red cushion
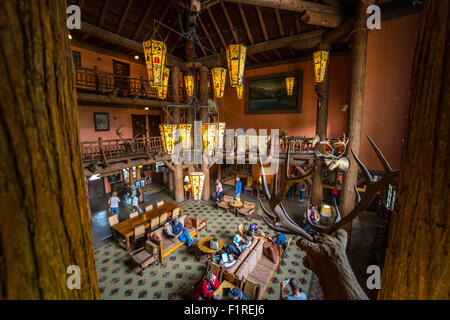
271,251
188,223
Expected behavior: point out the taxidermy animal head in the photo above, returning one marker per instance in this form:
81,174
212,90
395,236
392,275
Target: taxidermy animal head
341,164
344,106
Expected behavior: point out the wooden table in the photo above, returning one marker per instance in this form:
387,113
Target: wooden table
203,245
236,205
223,285
126,228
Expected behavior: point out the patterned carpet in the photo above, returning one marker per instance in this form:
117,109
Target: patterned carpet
181,270
152,188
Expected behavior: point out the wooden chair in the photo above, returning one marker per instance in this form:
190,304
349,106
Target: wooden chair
216,269
248,209
225,203
175,213
148,208
163,218
145,257
160,203
231,278
251,289
134,215
154,223
139,233
249,185
286,248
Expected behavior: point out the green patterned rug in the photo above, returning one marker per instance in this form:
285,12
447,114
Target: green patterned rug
181,270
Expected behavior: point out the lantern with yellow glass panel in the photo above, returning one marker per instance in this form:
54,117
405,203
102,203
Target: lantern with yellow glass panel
218,78
155,60
320,65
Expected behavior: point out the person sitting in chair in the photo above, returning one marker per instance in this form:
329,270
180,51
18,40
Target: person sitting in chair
279,240
175,229
237,294
238,245
204,290
252,230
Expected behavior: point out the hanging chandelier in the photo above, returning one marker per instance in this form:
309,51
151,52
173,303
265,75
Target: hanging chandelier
189,85
155,60
213,136
240,91
162,90
290,85
320,65
218,78
236,54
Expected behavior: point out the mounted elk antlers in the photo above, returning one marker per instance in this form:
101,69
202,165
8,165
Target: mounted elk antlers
283,223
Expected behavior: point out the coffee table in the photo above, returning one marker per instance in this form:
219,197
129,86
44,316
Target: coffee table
235,204
203,245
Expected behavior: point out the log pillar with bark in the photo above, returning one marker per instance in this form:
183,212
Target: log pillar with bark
44,217
204,93
176,92
357,87
322,91
417,264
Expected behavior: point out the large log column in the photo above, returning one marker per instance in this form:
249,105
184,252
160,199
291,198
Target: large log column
357,87
322,90
417,264
44,225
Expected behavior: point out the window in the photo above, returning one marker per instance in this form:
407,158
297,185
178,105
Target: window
76,59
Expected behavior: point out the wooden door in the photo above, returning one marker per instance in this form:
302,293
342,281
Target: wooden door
153,123
122,80
96,188
139,125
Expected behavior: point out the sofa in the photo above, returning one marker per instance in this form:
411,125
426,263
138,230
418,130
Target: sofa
257,268
166,244
232,269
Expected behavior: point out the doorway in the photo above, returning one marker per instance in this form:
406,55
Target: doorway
153,123
139,125
121,71
96,188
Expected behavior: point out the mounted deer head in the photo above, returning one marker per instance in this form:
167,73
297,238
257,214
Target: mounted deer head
280,220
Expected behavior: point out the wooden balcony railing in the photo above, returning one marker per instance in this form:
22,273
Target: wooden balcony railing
103,82
104,151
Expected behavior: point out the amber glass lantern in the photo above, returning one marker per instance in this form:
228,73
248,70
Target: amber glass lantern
197,181
240,91
290,85
162,90
213,137
155,60
189,85
236,54
218,78
320,65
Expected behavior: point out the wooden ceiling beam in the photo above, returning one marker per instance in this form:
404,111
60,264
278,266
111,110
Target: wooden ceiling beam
143,20
279,23
205,31
262,24
316,13
104,12
297,23
124,16
216,27
230,23
118,40
306,40
244,20
161,19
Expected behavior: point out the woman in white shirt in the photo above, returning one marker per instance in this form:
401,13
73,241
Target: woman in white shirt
113,203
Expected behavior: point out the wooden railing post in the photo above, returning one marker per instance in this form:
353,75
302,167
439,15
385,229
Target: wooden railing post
98,87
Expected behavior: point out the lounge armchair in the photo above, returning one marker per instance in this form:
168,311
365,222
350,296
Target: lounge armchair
248,209
145,257
225,203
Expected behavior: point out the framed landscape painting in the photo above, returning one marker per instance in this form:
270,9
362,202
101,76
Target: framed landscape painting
101,121
269,94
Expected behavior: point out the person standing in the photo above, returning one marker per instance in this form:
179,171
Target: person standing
219,190
302,191
113,203
238,189
135,200
298,294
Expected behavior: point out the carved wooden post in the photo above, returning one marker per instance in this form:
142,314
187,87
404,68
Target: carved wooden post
98,87
141,190
357,87
322,90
